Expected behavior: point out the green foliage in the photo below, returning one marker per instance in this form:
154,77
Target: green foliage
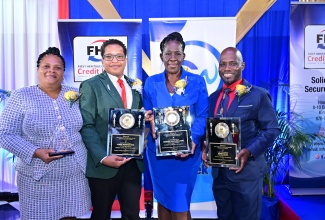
4,94
292,142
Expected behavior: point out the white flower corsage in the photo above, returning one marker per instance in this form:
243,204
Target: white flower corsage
180,85
136,85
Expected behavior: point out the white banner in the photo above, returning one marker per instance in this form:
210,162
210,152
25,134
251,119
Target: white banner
204,38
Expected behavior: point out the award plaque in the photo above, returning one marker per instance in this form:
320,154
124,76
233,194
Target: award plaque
60,142
223,141
173,129
126,129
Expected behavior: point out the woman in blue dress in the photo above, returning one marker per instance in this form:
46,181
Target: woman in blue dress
174,177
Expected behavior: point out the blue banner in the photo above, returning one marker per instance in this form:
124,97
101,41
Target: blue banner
307,97
80,42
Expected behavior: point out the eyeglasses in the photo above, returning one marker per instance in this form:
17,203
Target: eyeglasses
110,57
231,65
177,55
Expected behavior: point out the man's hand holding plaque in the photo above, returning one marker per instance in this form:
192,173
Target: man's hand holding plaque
173,130
126,132
223,141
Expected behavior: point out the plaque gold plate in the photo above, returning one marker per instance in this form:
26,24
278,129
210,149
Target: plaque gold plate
173,129
223,137
126,132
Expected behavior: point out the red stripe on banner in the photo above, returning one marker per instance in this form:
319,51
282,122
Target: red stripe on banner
64,9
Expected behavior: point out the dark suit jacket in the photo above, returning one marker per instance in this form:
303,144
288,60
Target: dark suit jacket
98,95
259,128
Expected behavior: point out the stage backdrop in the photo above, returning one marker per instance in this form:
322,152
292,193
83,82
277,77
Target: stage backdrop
204,42
307,91
265,47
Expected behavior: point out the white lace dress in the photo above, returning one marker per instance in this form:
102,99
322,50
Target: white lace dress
46,191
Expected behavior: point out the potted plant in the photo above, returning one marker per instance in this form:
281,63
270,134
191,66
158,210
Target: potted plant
292,142
4,94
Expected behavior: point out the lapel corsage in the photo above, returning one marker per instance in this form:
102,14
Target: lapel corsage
136,84
180,85
4,94
242,90
71,96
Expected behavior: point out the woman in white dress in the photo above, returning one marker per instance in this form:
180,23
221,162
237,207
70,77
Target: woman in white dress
34,119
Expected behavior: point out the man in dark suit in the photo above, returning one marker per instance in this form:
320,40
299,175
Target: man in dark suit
238,190
111,175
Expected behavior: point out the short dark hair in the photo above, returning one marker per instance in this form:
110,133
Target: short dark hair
172,36
110,42
51,50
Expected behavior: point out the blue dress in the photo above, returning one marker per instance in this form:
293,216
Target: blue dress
174,178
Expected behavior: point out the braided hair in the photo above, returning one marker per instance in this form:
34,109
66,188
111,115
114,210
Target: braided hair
172,36
51,50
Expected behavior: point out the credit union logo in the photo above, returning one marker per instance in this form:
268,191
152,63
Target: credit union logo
315,47
87,56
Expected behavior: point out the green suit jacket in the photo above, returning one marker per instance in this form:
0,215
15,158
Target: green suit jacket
98,95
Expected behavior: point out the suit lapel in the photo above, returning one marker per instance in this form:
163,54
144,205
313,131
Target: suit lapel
235,103
111,90
213,103
233,107
135,94
136,99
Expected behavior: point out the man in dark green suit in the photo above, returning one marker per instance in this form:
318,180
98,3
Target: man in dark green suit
111,175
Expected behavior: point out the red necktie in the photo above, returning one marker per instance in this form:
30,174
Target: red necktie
121,83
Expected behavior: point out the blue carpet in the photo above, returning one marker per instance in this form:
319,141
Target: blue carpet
307,207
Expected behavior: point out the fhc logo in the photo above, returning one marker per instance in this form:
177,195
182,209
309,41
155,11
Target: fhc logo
86,50
93,50
87,55
314,47
320,40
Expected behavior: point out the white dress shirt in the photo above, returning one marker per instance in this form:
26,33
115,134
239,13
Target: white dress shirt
129,97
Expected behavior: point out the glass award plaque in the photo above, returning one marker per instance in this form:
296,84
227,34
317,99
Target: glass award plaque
126,129
60,142
173,129
223,137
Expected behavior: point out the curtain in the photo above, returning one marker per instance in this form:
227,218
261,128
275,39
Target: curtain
28,28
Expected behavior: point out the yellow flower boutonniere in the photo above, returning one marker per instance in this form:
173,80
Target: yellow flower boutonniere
180,86
4,94
136,85
71,96
242,90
